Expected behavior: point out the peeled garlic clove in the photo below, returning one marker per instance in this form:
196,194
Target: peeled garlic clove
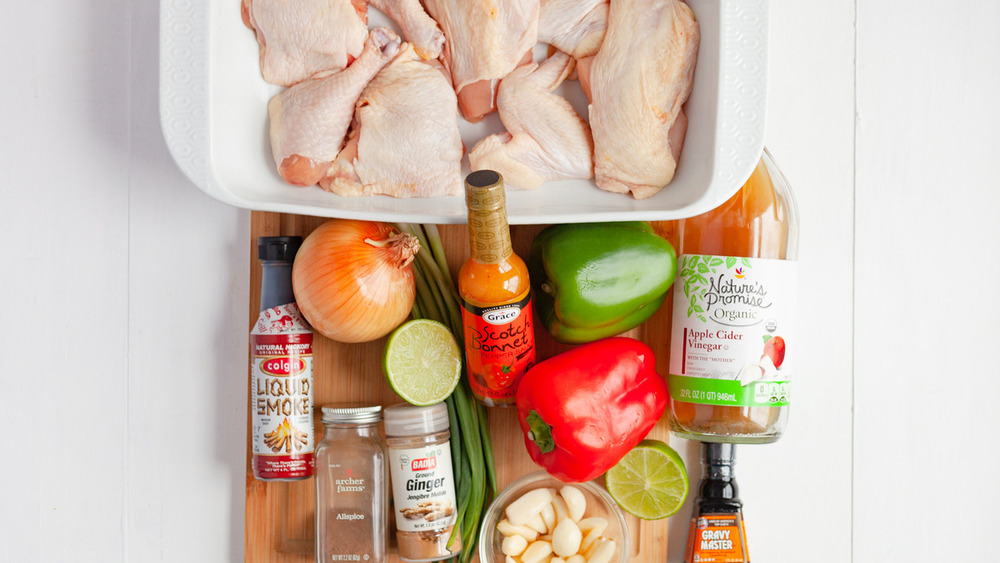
549,516
576,503
536,552
603,552
566,538
528,505
559,507
508,529
593,523
536,523
513,545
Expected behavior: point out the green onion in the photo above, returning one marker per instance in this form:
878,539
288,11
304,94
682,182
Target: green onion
471,446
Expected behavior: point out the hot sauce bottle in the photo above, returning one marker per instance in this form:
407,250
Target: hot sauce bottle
717,534
496,300
733,315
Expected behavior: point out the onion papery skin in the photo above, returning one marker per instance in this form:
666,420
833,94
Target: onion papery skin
353,279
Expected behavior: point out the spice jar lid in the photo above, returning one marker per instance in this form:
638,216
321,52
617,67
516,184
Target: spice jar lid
351,413
408,420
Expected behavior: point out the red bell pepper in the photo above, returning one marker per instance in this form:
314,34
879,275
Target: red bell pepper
581,411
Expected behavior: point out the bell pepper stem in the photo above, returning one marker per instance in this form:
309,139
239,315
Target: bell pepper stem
540,433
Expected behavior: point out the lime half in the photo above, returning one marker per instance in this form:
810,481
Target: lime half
422,362
650,481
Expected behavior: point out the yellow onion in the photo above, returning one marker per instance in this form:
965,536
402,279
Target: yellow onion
353,280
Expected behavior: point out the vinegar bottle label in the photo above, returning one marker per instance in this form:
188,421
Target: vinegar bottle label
500,347
732,323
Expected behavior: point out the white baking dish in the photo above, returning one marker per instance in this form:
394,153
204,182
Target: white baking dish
213,108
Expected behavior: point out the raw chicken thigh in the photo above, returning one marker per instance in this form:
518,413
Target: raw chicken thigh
639,81
405,140
573,26
309,120
418,28
545,139
486,39
299,38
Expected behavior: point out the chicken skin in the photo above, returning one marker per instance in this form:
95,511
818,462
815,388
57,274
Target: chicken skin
486,39
545,138
308,122
404,141
417,26
573,26
639,81
300,38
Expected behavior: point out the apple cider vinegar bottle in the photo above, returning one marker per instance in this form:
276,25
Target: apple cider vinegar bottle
733,315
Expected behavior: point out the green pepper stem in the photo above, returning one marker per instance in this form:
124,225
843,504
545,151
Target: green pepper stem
540,433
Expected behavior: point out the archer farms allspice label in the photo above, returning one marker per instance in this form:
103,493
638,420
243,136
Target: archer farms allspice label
281,395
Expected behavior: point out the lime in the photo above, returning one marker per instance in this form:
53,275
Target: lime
422,362
650,481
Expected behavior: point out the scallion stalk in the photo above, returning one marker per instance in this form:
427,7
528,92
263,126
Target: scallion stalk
472,450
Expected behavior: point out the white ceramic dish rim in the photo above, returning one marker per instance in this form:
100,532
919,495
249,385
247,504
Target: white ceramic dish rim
196,85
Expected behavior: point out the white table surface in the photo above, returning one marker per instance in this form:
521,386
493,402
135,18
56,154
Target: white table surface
124,287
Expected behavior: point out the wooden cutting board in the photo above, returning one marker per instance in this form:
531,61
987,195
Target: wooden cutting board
279,515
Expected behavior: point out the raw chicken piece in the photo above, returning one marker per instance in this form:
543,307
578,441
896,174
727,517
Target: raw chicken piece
309,120
639,80
545,139
573,26
486,39
404,141
299,38
418,28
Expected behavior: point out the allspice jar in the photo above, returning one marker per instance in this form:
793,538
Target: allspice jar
423,484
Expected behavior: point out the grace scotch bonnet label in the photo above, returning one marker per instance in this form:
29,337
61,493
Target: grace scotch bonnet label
500,348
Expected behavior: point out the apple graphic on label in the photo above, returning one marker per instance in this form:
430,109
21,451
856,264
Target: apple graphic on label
774,348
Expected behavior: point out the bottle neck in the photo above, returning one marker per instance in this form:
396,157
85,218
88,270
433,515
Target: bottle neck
719,472
489,235
275,284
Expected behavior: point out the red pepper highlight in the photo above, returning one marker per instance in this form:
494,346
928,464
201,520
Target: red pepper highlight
581,411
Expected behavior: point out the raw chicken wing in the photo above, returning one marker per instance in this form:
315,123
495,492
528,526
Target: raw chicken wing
309,120
299,38
486,39
405,140
418,28
545,139
639,81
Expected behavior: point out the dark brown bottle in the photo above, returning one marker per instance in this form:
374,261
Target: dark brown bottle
717,534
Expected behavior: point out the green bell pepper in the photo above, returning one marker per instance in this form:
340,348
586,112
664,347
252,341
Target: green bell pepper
594,280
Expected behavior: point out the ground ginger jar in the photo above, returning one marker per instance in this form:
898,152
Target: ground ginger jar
423,485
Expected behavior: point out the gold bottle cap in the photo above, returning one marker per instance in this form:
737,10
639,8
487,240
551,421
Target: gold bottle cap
489,236
484,190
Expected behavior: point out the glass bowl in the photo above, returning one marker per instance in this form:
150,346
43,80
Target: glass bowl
599,503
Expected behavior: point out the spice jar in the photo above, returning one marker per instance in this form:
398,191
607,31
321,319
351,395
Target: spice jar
423,485
351,492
